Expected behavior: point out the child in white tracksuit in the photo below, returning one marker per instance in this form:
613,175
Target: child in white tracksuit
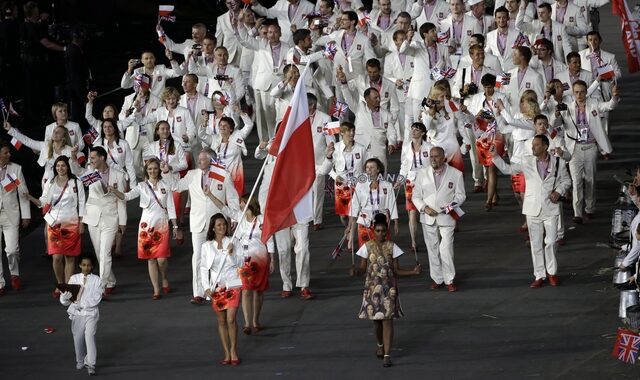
84,314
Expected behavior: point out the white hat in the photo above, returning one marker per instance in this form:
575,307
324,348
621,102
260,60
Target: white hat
473,2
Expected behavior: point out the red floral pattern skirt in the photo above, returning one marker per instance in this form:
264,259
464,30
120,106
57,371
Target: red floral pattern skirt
63,239
224,299
153,240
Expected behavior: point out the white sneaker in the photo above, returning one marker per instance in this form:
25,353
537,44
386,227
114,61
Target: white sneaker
79,365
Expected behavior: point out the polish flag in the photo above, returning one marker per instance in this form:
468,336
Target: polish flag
606,72
9,183
217,171
15,142
454,211
165,10
290,195
450,106
82,159
331,128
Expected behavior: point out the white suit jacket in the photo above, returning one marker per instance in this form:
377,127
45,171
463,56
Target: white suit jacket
440,12
366,133
574,21
12,202
266,74
280,11
607,58
319,139
470,26
490,60
561,44
459,81
536,195
180,124
593,110
425,193
202,104
388,95
133,128
159,76
235,87
226,36
491,46
202,208
532,80
75,133
105,206
558,67
421,80
359,52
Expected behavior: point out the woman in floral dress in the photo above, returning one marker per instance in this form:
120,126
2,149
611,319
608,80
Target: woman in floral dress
153,233
380,301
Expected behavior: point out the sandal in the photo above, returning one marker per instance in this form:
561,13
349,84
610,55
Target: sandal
386,361
225,362
156,297
380,351
246,330
256,329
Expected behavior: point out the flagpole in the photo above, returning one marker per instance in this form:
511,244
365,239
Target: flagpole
255,186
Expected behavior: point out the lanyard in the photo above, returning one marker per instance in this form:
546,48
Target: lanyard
163,149
253,228
155,196
415,161
173,124
61,194
224,154
377,196
111,155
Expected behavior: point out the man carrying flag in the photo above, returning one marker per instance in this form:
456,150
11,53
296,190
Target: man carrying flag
288,206
14,212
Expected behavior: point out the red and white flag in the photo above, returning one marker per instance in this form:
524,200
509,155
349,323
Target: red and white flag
290,195
17,143
443,37
331,128
450,106
454,211
9,183
217,171
503,80
630,33
82,159
606,72
165,13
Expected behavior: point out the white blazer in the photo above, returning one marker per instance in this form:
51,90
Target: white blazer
574,21
421,80
345,164
593,110
425,193
75,133
180,124
280,11
561,45
607,58
105,206
147,198
470,26
491,46
440,12
459,80
159,76
393,70
235,87
133,129
359,52
266,73
203,104
226,36
12,202
532,80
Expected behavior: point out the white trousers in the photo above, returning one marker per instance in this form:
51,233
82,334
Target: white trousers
265,111
477,169
299,234
10,234
102,237
84,329
197,238
318,198
138,163
583,174
439,242
543,235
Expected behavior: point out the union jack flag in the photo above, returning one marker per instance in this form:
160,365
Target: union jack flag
446,73
521,40
503,80
339,109
330,50
443,37
90,136
626,347
90,178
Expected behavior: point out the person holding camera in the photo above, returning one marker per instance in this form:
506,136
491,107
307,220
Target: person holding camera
547,182
198,32
544,61
585,134
466,82
222,76
555,97
158,73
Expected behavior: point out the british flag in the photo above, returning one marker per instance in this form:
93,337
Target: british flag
330,50
503,80
446,73
627,346
338,110
521,40
443,37
90,178
90,136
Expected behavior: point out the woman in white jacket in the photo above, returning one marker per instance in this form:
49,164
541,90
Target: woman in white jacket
153,232
219,266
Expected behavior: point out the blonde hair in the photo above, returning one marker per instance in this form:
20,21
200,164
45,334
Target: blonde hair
437,92
67,141
57,106
530,98
168,92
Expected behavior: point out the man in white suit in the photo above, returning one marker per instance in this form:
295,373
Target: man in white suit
584,135
374,79
471,74
202,209
545,63
105,214
198,32
269,59
318,120
500,42
478,11
544,27
14,212
523,78
427,54
226,26
158,73
574,71
432,11
222,76
490,60
375,128
547,181
398,68
198,105
460,28
289,13
437,188
571,16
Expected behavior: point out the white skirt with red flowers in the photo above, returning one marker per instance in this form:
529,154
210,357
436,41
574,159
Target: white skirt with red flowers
153,237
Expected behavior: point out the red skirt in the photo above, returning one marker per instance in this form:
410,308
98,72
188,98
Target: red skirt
456,160
482,149
408,192
63,239
255,273
153,241
518,183
224,299
343,199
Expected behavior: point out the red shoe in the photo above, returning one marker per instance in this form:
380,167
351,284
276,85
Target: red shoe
156,297
108,291
197,300
434,285
477,189
286,293
591,216
553,280
317,227
560,241
166,290
225,362
15,283
452,287
537,283
306,294
235,362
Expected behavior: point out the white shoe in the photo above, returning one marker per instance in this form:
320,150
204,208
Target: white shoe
91,371
79,365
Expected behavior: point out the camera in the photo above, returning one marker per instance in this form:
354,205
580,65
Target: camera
472,89
221,77
561,107
197,48
552,90
427,102
319,24
137,61
486,114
